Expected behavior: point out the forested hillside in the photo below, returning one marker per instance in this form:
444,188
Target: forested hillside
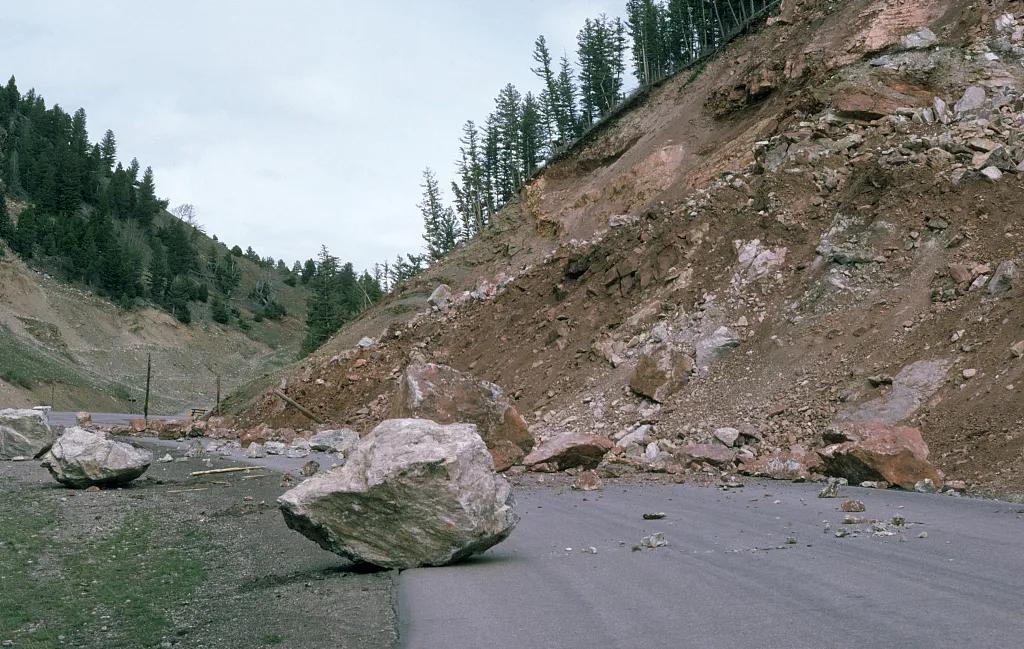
68,207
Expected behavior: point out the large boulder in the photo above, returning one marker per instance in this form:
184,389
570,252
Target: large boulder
876,451
443,394
413,493
23,433
567,451
660,372
713,454
714,346
82,458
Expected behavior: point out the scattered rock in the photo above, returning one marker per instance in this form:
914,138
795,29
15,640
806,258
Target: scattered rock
711,348
654,516
413,493
1017,349
23,433
334,441
656,540
299,448
83,419
81,458
926,486
167,457
1003,279
831,490
851,506
310,468
920,39
972,99
992,174
443,394
255,450
274,448
727,436
567,451
970,373
441,298
713,454
896,454
587,481
366,343
660,373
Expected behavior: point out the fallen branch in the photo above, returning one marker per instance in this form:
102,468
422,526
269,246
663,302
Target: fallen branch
297,406
233,469
181,491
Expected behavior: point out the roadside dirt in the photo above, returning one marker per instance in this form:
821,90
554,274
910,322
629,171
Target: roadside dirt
174,561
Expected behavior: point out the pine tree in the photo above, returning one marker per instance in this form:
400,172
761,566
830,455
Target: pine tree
568,122
646,21
507,131
219,311
602,45
440,225
6,225
108,150
324,314
470,201
308,271
549,100
531,135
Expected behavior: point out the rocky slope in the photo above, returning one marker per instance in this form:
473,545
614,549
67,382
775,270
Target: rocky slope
819,228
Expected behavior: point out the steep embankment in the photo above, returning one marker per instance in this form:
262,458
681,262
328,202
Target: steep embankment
821,222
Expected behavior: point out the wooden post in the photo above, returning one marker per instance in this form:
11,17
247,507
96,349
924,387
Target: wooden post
284,397
149,368
216,410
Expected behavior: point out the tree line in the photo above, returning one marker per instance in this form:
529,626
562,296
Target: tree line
527,128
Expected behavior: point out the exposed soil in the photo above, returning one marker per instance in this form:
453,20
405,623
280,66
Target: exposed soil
797,143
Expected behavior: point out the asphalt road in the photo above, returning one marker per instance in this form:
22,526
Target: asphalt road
730,576
59,418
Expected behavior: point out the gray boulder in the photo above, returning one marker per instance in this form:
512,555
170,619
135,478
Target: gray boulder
711,348
441,297
83,458
1003,279
413,493
23,433
334,441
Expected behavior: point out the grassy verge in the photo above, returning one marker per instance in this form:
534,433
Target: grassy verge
116,591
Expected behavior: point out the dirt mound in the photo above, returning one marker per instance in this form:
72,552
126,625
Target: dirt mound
810,219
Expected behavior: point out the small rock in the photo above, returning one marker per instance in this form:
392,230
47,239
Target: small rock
1017,349
926,486
920,39
831,490
922,535
298,449
656,540
1003,279
654,516
166,458
310,468
366,342
728,436
970,373
255,450
972,99
441,297
587,481
992,174
852,506
274,448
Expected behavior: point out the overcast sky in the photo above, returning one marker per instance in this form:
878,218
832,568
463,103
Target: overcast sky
287,124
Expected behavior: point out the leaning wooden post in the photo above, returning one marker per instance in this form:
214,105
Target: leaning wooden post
216,410
149,369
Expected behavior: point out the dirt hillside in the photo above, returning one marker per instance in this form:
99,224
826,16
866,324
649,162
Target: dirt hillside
824,220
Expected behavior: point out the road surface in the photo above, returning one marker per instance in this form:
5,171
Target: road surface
59,418
731,577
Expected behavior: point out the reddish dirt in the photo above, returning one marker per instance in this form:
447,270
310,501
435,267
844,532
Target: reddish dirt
812,330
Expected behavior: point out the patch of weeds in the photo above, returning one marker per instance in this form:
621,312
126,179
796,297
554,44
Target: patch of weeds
272,639
114,591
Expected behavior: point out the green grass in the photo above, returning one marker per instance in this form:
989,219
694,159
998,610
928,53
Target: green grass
24,366
115,591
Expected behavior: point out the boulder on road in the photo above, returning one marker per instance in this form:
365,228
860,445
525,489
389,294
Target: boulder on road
447,396
82,458
23,433
413,493
334,441
878,451
794,464
567,451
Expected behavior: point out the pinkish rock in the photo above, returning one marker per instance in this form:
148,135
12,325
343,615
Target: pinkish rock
567,451
895,454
